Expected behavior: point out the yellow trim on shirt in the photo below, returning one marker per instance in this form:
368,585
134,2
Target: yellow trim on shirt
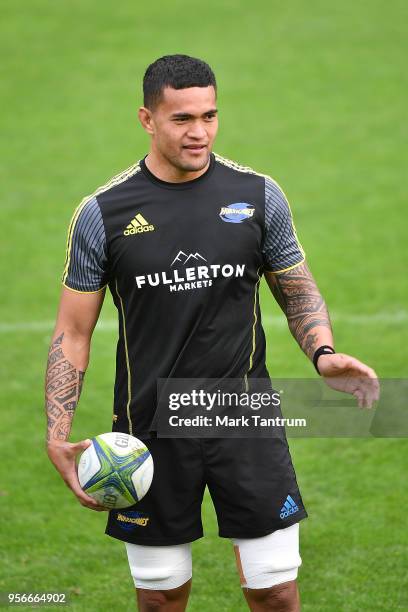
286,269
113,182
79,290
129,385
251,357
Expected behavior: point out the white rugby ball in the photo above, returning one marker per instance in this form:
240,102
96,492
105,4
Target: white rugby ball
116,470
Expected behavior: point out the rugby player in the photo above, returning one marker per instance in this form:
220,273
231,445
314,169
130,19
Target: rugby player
182,239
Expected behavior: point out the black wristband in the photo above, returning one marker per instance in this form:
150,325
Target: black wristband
322,350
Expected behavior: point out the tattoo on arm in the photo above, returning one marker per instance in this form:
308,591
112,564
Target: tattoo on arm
63,385
297,294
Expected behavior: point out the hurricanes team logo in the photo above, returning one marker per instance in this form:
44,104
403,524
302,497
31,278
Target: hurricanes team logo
130,520
237,213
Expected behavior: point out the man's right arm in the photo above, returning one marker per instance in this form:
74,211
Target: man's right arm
84,280
67,362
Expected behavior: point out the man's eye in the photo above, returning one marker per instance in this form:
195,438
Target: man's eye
210,116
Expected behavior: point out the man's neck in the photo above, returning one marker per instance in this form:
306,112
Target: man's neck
165,171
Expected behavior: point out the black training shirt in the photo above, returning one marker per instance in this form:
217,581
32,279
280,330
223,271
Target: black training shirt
183,262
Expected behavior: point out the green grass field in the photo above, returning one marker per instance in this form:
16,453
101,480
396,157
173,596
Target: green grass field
311,93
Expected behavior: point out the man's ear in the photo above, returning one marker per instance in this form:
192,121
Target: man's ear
146,119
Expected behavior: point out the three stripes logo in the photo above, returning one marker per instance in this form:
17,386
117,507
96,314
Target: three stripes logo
138,225
288,508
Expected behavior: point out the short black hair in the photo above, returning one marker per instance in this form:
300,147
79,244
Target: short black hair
177,71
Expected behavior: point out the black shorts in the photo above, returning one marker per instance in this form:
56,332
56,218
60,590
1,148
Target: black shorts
251,481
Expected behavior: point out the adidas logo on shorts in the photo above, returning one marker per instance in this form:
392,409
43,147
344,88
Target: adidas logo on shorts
288,508
138,225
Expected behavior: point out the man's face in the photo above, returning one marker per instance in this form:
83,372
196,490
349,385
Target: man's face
183,126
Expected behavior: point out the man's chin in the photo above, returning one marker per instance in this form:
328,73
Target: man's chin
194,165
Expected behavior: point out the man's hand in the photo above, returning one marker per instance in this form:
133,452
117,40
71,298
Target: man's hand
62,455
344,373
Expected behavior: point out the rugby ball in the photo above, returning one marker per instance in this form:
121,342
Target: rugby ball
116,470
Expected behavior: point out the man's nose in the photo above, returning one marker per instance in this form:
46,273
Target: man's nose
197,131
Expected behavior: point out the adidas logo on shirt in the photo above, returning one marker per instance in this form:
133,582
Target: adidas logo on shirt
288,508
138,225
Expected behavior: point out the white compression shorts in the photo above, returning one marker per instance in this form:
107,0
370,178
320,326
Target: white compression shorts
273,559
261,562
159,567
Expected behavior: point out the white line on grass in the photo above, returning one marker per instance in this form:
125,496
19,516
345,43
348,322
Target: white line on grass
388,318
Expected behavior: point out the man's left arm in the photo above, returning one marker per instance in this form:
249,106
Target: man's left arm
297,294
295,290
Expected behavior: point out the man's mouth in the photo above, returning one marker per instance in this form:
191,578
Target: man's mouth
195,147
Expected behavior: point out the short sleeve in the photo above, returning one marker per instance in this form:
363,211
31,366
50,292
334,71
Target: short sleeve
281,248
86,260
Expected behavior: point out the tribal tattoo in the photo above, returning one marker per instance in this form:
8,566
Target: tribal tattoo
297,294
63,385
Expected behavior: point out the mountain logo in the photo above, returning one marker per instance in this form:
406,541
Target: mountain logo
183,258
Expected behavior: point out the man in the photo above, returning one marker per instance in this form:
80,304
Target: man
182,239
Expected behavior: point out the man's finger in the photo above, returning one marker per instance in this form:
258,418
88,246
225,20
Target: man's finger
358,394
97,508
368,384
79,447
73,483
372,391
364,393
88,501
373,395
376,388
